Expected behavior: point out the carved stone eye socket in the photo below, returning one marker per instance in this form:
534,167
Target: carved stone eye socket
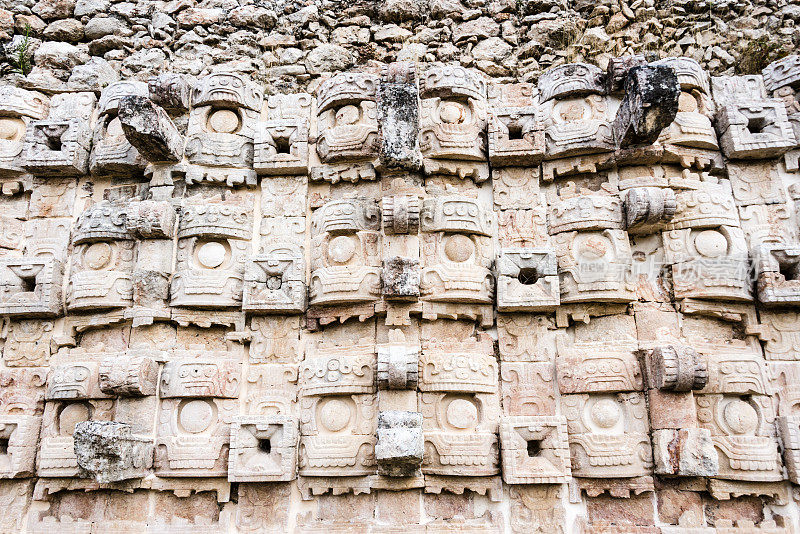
211,254
452,112
593,248
341,249
335,415
711,244
462,414
741,417
196,416
606,413
98,255
223,121
11,128
71,415
347,115
459,248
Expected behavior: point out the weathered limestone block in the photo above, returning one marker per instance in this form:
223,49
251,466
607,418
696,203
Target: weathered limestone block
593,266
398,363
608,435
527,280
534,450
31,286
453,366
338,435
453,117
676,368
576,125
128,376
573,79
579,209
274,281
735,368
18,108
263,448
778,280
528,388
730,90
193,377
690,74
755,129
597,367
150,130
108,452
399,449
617,72
28,343
19,435
650,105
687,452
401,278
516,188
172,91
330,369
213,247
347,118
111,151
398,117
646,209
219,139
281,147
150,219
782,73
60,144
516,137
400,214
756,183
743,434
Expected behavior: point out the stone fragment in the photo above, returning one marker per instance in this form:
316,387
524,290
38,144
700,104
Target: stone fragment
677,368
401,278
782,73
617,72
274,281
398,117
648,208
777,269
108,451
150,130
400,214
263,448
527,280
755,129
687,452
649,106
398,363
128,377
534,450
171,91
399,447
281,147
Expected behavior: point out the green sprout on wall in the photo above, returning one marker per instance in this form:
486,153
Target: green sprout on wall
16,59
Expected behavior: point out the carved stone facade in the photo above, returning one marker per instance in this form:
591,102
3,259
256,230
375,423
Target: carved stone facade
411,299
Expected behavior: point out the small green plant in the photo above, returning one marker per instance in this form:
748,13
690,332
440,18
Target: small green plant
758,54
17,58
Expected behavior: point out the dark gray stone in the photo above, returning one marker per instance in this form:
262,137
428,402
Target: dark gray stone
649,106
398,117
149,129
108,452
400,443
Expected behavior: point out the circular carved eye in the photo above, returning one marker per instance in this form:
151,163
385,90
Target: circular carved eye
462,414
98,255
11,128
114,128
459,248
71,415
211,254
347,115
606,413
741,417
223,121
334,415
452,113
711,244
341,249
196,416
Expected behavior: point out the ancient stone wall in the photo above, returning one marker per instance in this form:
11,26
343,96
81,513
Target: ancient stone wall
368,295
